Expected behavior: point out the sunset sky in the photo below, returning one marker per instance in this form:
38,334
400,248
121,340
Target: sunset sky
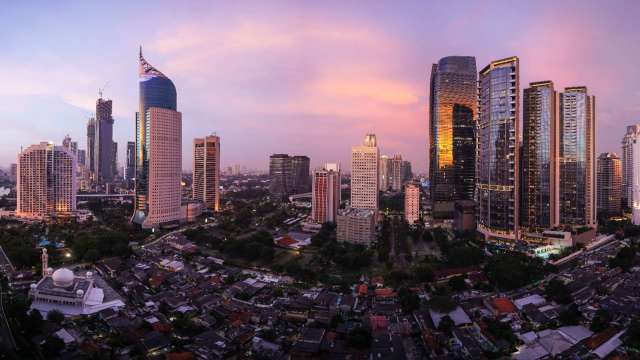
299,77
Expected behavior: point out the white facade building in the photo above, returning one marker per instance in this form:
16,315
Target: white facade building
46,182
411,203
364,174
326,194
631,171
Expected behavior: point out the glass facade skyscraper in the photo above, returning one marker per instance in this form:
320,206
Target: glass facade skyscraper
538,203
157,178
497,149
452,108
577,157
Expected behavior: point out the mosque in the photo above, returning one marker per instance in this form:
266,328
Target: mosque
67,292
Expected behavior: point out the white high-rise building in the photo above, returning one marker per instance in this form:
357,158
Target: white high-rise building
631,171
629,141
46,182
411,203
364,174
325,198
384,172
206,171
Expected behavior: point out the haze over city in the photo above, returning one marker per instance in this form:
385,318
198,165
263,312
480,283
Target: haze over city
295,77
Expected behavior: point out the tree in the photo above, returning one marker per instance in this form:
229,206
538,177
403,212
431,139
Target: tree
55,316
557,291
446,324
624,258
91,256
52,347
457,283
600,321
570,316
442,303
511,270
423,273
359,338
633,334
409,301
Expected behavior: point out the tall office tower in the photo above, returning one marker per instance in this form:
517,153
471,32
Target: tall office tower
577,157
82,158
325,197
104,141
13,172
281,175
411,203
46,182
114,159
364,174
539,154
158,150
384,173
300,175
130,168
91,145
396,173
206,171
66,142
609,176
629,154
407,173
452,109
497,143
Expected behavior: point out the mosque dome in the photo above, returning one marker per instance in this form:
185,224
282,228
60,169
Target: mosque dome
63,277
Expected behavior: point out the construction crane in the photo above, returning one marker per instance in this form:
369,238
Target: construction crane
101,89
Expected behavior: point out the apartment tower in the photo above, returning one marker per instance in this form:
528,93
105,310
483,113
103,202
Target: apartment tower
46,182
206,171
325,199
497,150
539,154
577,158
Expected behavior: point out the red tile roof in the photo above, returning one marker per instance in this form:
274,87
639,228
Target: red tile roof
503,305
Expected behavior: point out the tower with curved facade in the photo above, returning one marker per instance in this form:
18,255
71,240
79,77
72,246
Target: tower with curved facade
158,150
497,165
452,109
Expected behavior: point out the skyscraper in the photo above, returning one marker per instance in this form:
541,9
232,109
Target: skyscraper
103,141
114,159
609,176
130,169
539,197
46,182
301,181
497,143
411,203
280,173
452,109
206,171
384,172
629,155
158,150
577,157
407,173
364,174
91,146
326,196
396,173
82,158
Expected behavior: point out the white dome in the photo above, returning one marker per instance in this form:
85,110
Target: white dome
80,293
63,277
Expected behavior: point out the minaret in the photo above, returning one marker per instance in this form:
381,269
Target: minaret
45,262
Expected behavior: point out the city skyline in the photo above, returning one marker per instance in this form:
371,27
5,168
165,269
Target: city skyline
379,85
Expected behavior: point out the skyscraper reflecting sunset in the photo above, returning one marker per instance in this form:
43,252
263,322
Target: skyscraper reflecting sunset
452,109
